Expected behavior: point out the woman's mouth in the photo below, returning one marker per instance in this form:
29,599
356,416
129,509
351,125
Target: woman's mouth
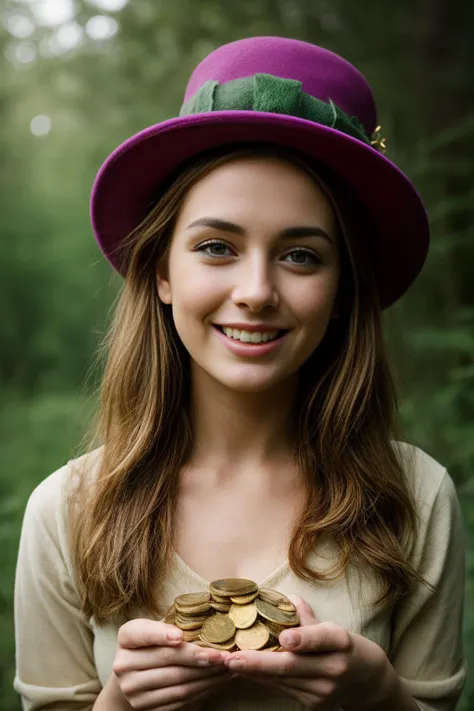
250,343
251,337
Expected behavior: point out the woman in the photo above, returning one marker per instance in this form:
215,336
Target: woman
247,423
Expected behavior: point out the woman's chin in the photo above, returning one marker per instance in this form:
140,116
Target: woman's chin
250,382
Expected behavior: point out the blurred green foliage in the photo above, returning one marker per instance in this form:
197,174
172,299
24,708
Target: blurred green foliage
56,290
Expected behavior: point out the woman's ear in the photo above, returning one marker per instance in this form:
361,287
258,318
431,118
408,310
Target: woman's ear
163,283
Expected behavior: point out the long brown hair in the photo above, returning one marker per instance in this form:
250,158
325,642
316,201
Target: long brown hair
346,425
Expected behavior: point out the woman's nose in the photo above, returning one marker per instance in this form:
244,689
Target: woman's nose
255,286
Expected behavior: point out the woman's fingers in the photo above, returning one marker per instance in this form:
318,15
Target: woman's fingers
155,657
141,632
170,676
154,672
178,694
185,654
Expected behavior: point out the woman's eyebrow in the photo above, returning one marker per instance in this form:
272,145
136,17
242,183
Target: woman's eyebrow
288,232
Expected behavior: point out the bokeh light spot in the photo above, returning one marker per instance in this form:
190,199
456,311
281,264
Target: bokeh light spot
22,53
101,27
53,12
109,5
69,35
19,26
40,125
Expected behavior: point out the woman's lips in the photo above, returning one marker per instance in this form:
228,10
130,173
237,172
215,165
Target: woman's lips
249,349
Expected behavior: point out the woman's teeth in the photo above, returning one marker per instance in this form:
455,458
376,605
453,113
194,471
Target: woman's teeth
250,336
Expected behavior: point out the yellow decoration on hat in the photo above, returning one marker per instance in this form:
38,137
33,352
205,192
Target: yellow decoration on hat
377,141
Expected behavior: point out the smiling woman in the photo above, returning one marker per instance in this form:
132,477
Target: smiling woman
248,421
253,280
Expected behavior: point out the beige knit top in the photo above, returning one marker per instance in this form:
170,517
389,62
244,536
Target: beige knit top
63,659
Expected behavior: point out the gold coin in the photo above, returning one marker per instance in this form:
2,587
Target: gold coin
244,599
195,610
170,615
201,642
274,597
192,599
218,628
219,598
191,618
233,587
254,637
287,607
243,616
188,624
225,646
272,639
275,629
274,614
275,648
272,642
221,606
191,635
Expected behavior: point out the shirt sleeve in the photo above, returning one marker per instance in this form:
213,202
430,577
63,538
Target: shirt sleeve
427,629
54,642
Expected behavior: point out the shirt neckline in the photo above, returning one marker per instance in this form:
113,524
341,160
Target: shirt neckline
284,566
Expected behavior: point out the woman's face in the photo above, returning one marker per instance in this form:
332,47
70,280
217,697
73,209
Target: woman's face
254,245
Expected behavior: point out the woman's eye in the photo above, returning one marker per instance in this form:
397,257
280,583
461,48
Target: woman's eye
215,248
303,257
299,257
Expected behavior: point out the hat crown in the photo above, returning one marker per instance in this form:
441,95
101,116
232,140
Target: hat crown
322,73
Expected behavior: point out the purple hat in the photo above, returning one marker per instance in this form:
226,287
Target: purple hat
290,93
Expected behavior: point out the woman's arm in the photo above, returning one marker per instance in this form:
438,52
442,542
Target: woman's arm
427,629
55,665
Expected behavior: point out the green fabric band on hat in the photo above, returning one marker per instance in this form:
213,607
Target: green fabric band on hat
204,99
276,95
264,92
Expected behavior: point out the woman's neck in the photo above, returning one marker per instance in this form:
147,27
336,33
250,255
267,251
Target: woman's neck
246,429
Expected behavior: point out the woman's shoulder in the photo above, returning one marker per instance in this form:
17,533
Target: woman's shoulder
87,465
427,477
48,498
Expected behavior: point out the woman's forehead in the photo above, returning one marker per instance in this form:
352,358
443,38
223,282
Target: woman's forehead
257,188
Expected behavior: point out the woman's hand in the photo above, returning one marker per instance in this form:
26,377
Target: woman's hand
155,671
328,666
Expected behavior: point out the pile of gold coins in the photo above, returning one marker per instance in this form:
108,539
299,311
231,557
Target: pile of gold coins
234,614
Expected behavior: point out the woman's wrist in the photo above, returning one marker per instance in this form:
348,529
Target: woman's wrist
111,697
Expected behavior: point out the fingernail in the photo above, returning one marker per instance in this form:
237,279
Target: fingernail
206,658
173,636
291,639
202,659
236,664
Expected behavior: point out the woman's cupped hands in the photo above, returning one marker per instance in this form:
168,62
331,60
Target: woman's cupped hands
323,665
157,671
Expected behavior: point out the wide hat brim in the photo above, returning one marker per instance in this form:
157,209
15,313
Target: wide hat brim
128,183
